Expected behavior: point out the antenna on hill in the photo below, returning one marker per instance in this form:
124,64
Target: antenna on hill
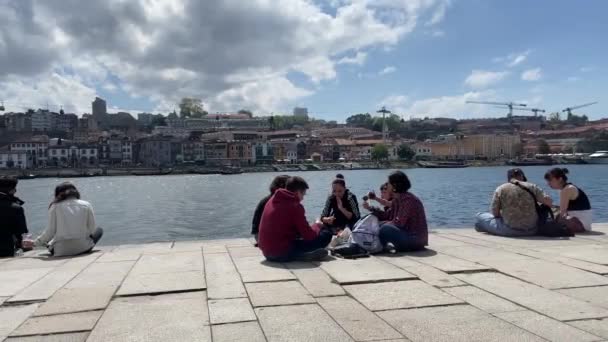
384,111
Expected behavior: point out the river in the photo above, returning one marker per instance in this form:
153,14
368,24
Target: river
139,209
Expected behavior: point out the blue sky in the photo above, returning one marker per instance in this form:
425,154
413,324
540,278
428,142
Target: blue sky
336,57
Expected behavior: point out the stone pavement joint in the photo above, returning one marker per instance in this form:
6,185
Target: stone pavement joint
465,287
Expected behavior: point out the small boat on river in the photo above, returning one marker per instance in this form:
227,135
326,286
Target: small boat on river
443,164
160,172
599,157
530,162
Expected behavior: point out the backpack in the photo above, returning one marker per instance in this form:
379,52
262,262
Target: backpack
365,234
547,224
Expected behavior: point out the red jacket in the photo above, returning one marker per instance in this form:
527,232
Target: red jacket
283,221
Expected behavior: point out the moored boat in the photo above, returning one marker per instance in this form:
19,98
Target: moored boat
599,157
152,173
530,162
442,164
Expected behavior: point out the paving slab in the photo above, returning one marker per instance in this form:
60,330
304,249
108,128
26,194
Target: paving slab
139,284
439,240
25,263
598,327
172,317
428,274
278,293
347,271
188,246
238,332
12,316
315,280
15,281
101,274
483,300
77,300
546,327
533,297
245,251
3,299
145,248
580,264
208,249
446,263
400,295
454,323
230,311
257,269
229,242
70,337
594,295
592,253
360,323
548,274
223,280
480,254
299,323
74,322
46,286
169,263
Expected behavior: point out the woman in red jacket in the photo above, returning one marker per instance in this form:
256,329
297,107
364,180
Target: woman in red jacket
403,224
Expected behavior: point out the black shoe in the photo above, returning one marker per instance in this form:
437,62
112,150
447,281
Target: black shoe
316,255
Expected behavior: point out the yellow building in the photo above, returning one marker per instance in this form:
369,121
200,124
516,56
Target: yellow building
488,146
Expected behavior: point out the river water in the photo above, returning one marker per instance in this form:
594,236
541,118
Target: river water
139,209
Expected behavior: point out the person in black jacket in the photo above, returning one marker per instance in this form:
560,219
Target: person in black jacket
277,183
341,208
12,217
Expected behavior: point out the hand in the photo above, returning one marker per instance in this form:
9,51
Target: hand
27,244
328,220
366,205
339,203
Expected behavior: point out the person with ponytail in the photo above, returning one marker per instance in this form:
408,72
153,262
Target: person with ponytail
573,202
71,229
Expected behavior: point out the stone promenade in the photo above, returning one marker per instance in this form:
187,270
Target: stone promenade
466,287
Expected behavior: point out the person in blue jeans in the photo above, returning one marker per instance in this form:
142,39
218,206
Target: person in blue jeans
513,211
403,224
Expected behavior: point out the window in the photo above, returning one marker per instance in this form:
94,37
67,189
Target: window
92,151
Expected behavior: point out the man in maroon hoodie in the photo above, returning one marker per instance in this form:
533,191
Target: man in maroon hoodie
285,234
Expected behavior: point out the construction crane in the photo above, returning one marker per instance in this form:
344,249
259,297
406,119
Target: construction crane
533,110
570,109
510,105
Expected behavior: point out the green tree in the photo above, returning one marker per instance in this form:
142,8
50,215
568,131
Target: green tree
246,112
190,107
405,152
159,120
361,120
393,123
379,152
555,117
543,147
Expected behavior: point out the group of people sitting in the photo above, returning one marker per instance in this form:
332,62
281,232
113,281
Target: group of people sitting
514,208
71,226
283,233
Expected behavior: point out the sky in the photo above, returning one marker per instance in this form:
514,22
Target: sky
336,57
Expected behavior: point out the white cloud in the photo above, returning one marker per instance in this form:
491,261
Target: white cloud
454,106
395,103
532,74
438,33
387,70
513,59
587,68
358,59
573,79
479,79
161,50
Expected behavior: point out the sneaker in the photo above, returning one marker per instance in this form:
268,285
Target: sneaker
316,255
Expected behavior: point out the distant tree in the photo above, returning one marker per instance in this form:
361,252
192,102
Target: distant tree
422,136
405,152
555,117
332,124
543,147
393,123
379,152
361,120
246,112
158,120
172,116
271,123
191,108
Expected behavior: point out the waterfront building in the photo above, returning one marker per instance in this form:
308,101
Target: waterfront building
18,122
43,121
263,153
66,154
36,148
14,159
155,151
67,122
241,153
216,153
485,146
285,151
192,151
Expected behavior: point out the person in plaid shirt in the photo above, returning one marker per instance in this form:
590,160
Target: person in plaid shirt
403,224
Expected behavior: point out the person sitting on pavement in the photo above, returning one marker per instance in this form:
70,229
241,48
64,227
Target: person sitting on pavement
573,202
277,183
403,224
341,209
513,211
285,234
385,199
71,229
12,217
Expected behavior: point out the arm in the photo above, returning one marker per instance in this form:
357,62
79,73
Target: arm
302,225
257,216
20,226
541,196
495,206
356,215
381,214
51,230
565,196
91,221
383,202
327,208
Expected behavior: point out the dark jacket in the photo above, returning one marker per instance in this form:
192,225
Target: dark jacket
12,224
349,202
257,215
283,221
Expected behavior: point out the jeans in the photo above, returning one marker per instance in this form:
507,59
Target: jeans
402,240
486,222
300,247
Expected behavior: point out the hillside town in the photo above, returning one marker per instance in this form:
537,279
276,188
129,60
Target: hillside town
42,139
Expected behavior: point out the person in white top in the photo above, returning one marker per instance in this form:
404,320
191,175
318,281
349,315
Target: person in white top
71,229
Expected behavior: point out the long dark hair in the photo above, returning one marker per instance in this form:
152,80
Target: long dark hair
278,183
400,182
557,173
65,191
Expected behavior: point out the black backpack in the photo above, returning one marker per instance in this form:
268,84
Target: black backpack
547,224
